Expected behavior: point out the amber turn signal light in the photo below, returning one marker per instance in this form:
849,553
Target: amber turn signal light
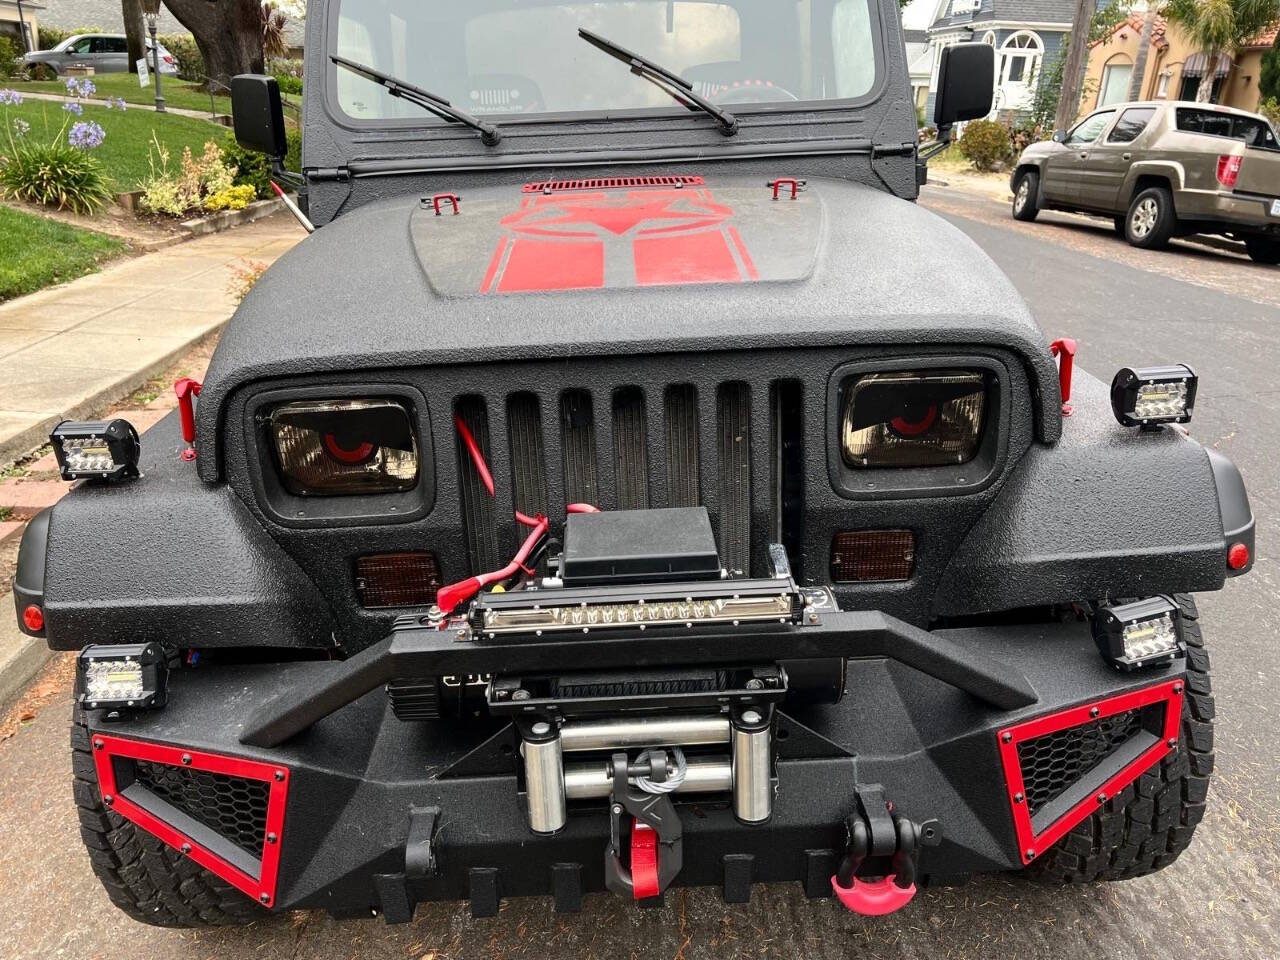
872,556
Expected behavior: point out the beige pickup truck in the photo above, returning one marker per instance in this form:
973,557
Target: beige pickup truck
1161,169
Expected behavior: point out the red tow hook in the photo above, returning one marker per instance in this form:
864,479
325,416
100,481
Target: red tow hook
873,898
644,861
187,391
1064,349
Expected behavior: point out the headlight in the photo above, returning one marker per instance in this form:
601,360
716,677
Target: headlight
1148,396
344,447
913,418
120,676
1139,634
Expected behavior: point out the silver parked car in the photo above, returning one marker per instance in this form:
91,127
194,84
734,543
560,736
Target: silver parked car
104,52
1161,169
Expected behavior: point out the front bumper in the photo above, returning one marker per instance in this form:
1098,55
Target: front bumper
368,813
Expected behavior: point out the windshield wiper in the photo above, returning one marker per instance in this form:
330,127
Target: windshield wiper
489,132
660,76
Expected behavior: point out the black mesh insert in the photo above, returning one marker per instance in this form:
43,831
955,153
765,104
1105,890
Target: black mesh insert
1053,762
234,807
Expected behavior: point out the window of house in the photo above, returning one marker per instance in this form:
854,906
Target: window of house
1020,57
1115,82
1131,123
1162,85
1088,129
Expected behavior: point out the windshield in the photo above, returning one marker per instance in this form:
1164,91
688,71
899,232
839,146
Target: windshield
513,57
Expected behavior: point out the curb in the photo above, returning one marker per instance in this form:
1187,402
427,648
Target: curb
225,219
20,444
21,657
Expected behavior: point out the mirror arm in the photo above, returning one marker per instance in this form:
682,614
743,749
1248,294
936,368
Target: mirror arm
930,150
281,175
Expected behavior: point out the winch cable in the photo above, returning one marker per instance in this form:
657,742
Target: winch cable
673,782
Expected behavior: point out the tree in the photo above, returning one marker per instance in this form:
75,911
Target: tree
1218,27
1269,75
228,33
1144,48
1073,66
134,33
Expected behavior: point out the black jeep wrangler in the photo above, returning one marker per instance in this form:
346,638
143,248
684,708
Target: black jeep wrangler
629,485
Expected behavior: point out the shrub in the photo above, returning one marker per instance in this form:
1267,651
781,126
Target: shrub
252,169
985,143
9,55
187,54
55,174
232,198
1270,108
176,193
293,156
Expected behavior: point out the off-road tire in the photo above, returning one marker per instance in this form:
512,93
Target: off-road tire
1263,249
1148,824
1026,206
147,879
1151,219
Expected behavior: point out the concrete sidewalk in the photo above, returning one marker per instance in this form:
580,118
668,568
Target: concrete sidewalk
69,350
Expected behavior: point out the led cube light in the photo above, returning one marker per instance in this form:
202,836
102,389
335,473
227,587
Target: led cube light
131,676
96,450
1144,633
1149,396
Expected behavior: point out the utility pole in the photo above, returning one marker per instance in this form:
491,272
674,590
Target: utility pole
1073,71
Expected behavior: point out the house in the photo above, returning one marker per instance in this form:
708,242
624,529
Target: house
1173,68
919,65
1027,35
19,21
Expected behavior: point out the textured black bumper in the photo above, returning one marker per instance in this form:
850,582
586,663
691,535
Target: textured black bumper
356,777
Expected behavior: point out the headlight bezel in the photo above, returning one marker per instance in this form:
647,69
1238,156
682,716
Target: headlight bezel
349,509
976,473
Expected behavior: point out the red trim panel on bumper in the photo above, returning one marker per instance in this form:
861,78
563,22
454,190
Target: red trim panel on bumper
135,803
1032,844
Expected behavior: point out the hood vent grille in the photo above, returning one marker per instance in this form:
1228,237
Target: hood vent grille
611,183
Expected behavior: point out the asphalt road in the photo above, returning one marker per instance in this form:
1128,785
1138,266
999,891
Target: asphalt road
1216,312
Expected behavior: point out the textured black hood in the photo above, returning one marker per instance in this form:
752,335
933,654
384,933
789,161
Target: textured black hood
393,285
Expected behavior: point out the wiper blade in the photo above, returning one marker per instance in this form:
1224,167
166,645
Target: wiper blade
673,83
489,132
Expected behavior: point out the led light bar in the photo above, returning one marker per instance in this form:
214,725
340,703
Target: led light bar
669,605
96,450
1144,633
1149,396
131,676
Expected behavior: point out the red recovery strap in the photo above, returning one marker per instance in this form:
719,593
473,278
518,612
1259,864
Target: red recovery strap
644,861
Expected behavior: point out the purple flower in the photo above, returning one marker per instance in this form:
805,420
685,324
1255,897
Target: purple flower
73,108
80,88
10,98
86,135
116,103
21,127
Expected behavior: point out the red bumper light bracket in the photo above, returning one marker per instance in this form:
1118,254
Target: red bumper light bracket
255,877
1037,832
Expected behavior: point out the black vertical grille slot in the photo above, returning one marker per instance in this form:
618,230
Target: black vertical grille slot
528,459
630,456
681,404
478,518
578,442
786,426
733,417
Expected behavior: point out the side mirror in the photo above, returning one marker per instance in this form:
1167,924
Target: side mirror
258,116
966,81
1059,136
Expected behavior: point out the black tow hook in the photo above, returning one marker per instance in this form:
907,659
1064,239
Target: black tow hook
657,845
888,844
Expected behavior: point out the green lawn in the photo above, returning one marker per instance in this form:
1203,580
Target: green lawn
177,93
35,252
124,152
